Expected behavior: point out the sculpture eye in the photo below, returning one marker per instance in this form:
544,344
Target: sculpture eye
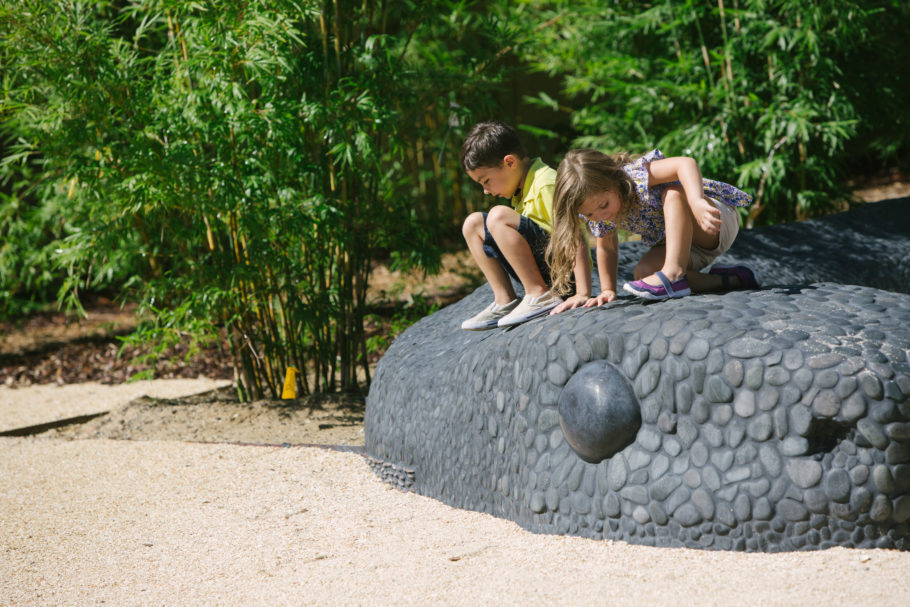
598,412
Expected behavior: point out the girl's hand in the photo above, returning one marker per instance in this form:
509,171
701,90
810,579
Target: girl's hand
707,215
568,304
605,296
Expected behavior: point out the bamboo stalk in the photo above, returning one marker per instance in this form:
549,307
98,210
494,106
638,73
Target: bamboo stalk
261,314
209,235
241,258
758,206
342,329
247,383
338,37
673,27
419,161
723,30
285,313
704,49
175,33
236,363
437,176
325,51
728,81
154,266
279,358
361,284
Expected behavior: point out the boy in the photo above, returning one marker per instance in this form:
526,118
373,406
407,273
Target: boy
512,241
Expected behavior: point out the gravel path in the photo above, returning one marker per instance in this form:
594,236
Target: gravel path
21,407
92,522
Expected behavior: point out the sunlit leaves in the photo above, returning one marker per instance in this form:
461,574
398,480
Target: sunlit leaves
738,84
240,168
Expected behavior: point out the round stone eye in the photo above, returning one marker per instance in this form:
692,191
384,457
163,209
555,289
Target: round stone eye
598,411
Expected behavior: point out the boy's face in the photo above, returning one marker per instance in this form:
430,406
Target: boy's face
499,181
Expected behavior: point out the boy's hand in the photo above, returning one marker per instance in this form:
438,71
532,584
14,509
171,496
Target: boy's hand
707,215
568,304
605,296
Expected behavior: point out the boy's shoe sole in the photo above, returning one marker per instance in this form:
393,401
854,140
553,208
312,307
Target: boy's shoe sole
530,307
488,318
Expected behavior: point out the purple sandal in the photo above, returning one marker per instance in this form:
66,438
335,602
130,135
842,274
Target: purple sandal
748,278
680,288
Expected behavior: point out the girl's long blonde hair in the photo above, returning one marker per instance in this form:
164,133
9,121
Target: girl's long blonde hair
582,173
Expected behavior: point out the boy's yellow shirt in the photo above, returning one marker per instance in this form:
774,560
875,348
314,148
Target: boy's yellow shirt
536,199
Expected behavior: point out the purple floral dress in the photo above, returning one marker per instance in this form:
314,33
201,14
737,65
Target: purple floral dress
647,217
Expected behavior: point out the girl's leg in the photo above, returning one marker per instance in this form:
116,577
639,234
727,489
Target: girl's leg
701,282
681,231
650,262
502,222
493,271
653,260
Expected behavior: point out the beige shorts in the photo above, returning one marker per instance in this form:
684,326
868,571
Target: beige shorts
700,258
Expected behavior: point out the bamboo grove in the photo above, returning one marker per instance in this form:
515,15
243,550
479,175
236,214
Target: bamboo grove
237,168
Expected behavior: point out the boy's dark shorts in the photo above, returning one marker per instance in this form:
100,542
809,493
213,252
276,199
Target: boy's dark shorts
537,238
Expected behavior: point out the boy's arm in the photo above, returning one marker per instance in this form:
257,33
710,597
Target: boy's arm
607,251
686,171
582,272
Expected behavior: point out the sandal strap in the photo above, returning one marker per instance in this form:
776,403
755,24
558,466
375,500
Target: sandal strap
666,282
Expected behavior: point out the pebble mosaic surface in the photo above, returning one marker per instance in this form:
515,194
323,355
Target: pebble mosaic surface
767,420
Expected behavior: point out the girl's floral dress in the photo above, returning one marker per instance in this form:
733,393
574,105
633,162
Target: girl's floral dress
647,216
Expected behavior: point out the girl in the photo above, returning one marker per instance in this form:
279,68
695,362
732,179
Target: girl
686,220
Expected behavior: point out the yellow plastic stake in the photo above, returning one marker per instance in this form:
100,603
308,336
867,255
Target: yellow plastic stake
290,384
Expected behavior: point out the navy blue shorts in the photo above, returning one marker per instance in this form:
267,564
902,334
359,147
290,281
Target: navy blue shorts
537,238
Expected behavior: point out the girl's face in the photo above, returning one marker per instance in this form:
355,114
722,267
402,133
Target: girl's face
602,206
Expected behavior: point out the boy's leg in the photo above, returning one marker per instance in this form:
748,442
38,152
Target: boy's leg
474,233
502,222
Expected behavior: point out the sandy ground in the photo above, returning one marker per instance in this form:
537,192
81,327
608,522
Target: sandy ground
147,522
20,407
200,410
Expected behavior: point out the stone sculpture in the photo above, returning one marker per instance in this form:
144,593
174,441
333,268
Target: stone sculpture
768,420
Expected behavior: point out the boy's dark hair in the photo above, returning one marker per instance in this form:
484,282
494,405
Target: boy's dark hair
488,143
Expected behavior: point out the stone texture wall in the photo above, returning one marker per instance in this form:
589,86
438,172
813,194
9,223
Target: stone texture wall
776,419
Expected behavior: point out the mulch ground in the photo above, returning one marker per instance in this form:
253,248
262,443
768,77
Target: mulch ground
50,348
104,362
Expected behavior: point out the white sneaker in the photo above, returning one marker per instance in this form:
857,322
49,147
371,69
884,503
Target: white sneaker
489,316
530,307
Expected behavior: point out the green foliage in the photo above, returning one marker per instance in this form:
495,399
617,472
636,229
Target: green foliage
237,168
767,94
401,319
247,163
26,257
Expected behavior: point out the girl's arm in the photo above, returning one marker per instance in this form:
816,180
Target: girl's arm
607,250
686,171
582,280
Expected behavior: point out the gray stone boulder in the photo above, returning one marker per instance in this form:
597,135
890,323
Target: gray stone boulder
768,420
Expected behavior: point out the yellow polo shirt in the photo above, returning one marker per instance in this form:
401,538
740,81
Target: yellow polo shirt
536,199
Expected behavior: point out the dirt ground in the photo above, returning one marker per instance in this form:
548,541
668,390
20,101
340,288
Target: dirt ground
217,416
